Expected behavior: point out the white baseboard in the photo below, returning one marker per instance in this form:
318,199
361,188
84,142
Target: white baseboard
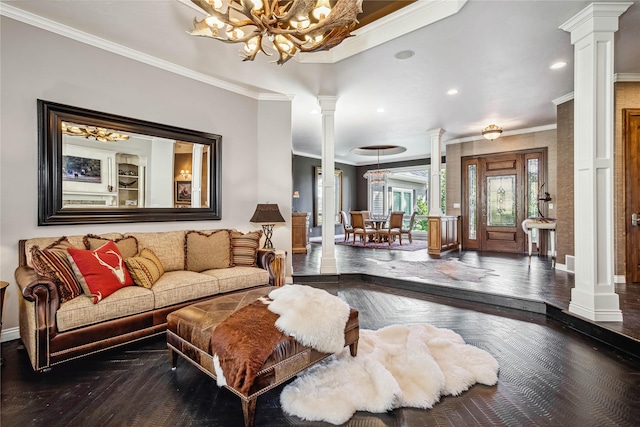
617,278
10,334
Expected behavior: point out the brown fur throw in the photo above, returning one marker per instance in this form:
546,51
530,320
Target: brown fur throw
243,342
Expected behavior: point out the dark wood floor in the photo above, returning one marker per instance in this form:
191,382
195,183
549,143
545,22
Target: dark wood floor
549,375
510,276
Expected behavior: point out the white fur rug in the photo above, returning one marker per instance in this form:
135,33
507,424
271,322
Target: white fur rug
313,316
397,366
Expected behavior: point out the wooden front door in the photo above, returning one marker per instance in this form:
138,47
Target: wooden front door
501,202
631,135
497,190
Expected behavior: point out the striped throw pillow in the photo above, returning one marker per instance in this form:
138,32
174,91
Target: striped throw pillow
244,248
52,263
145,268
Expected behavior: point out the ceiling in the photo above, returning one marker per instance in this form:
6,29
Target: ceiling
497,55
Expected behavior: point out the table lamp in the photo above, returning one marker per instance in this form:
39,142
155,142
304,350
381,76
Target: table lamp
296,196
267,214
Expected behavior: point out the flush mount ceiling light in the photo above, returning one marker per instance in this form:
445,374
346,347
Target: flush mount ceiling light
558,65
286,27
93,132
452,92
492,132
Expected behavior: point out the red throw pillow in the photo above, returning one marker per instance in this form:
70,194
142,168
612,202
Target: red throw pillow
100,272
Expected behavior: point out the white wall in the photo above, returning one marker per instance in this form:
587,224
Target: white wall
36,64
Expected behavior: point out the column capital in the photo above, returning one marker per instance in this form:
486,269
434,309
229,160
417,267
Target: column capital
437,132
327,103
595,17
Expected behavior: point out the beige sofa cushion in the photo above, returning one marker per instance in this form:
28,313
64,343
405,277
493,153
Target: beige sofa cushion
180,286
204,251
81,311
167,245
231,279
128,246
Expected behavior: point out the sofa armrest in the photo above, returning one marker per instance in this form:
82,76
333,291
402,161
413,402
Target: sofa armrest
43,303
265,260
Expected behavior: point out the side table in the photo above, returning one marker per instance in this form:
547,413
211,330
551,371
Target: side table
280,266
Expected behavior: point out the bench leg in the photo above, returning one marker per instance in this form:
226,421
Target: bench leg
249,411
353,348
173,357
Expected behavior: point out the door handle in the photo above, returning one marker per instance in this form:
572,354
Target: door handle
634,220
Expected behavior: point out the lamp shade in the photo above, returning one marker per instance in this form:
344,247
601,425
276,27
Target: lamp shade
267,213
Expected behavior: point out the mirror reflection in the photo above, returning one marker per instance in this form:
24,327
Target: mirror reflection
106,168
100,168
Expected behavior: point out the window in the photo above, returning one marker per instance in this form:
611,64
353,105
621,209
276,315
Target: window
402,200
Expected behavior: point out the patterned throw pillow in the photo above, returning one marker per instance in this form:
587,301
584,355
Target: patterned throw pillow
128,246
52,263
244,247
100,272
206,251
145,268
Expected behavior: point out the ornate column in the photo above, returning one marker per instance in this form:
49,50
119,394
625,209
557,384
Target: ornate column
435,136
592,29
328,263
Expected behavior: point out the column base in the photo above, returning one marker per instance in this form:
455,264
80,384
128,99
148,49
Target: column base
328,265
596,307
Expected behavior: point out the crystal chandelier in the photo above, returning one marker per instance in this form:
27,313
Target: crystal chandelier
286,27
377,176
97,133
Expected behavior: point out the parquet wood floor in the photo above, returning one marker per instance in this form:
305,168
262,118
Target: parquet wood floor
549,375
511,276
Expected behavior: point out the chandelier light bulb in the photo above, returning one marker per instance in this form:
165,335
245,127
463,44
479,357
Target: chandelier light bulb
321,10
257,5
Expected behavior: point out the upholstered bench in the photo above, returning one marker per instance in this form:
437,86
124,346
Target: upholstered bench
189,332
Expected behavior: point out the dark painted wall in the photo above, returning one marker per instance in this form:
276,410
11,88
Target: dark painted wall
303,177
354,186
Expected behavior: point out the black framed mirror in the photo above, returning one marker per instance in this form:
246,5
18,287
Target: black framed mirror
102,168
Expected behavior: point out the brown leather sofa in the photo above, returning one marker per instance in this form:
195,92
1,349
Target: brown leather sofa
52,332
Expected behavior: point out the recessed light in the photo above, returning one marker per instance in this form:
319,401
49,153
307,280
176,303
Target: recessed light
452,91
315,112
558,65
380,110
404,54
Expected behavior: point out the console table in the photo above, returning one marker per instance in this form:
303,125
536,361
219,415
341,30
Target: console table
548,224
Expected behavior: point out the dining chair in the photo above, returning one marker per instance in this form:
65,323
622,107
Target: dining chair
348,229
394,229
368,223
359,229
408,231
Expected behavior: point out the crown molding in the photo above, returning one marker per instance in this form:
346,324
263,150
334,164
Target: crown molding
507,133
403,21
89,39
563,99
626,77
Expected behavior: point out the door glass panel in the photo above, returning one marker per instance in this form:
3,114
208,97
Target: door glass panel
501,201
472,185
533,180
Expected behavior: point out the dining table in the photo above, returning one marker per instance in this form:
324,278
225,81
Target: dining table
376,222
